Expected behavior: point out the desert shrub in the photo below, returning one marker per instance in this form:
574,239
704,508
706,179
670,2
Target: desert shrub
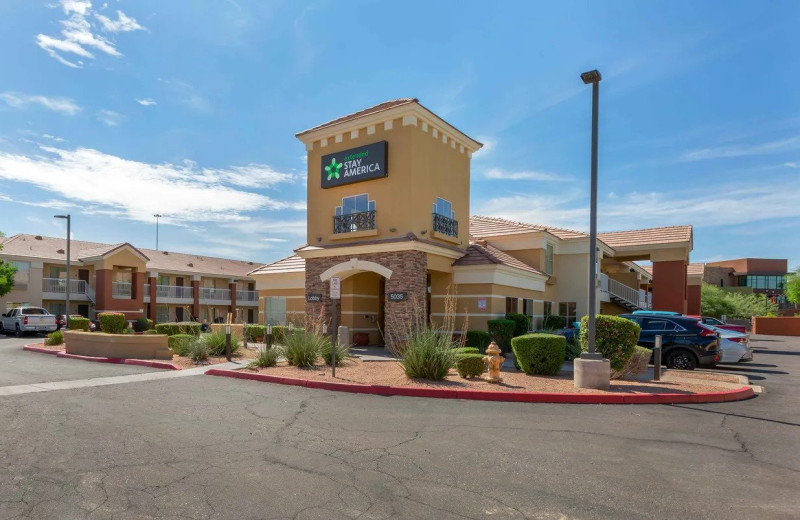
522,323
54,338
267,357
215,341
254,332
279,333
112,322
541,354
184,327
470,365
342,352
198,352
76,323
460,351
573,348
478,339
180,343
302,348
636,364
501,332
553,322
428,354
615,338
142,325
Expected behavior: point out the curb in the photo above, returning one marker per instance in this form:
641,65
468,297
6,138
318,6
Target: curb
738,394
117,361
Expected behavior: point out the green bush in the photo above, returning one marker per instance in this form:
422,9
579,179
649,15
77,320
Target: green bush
522,323
553,322
615,338
718,302
342,353
460,351
215,341
54,338
184,327
478,339
501,332
77,323
541,354
267,357
142,325
180,343
573,349
254,332
198,352
112,322
470,365
302,348
428,354
636,364
280,332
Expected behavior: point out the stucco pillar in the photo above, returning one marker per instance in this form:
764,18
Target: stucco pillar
669,285
153,281
693,301
103,290
232,308
196,295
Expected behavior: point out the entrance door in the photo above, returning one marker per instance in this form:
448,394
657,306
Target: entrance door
179,281
382,308
83,274
179,314
83,310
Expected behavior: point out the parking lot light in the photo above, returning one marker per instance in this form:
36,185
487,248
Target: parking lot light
68,219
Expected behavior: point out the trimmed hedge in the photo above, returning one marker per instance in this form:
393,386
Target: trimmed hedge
522,323
459,351
615,338
478,339
54,338
112,322
540,354
501,331
142,325
78,324
255,331
637,364
470,365
553,322
180,343
185,327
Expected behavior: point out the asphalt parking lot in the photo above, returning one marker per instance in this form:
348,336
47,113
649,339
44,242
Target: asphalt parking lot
210,447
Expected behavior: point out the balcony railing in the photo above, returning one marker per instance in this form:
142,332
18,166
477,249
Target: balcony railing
207,293
445,225
121,289
246,296
59,285
354,222
638,298
174,291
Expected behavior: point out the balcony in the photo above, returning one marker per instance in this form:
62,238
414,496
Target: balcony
56,289
211,296
354,222
445,225
121,290
178,292
246,298
628,297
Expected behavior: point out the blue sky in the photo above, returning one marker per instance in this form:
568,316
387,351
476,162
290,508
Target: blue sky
117,110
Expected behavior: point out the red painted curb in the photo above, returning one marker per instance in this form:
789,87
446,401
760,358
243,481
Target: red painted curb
33,348
482,395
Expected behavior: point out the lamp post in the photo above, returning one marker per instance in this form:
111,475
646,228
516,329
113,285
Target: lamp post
68,218
157,216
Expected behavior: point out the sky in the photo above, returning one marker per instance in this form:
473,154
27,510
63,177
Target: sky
115,111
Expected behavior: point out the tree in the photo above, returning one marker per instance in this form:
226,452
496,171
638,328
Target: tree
718,302
793,287
7,272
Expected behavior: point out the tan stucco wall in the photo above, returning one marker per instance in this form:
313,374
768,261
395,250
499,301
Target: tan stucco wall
123,258
125,346
572,282
27,292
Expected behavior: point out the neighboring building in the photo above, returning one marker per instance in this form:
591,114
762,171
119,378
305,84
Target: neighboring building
388,197
759,275
161,285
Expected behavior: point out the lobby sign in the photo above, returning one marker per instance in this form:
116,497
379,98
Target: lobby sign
313,297
354,165
398,296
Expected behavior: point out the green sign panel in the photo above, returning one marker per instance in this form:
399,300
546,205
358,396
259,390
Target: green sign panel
354,165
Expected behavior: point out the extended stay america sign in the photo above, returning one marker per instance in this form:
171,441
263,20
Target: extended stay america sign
354,165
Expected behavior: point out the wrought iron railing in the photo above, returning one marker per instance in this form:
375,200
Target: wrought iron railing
445,225
354,222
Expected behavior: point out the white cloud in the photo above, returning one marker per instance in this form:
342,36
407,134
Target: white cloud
105,184
52,203
109,117
146,102
791,143
52,138
56,104
123,23
791,164
77,33
498,174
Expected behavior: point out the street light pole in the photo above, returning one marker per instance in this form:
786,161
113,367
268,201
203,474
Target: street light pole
157,216
69,220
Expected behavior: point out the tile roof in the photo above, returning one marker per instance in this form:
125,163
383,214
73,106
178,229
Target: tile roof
47,248
484,227
290,264
386,105
647,237
697,268
485,254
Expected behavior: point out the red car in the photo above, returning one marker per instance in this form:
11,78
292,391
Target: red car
714,322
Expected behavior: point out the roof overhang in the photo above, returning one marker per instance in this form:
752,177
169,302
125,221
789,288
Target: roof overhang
380,247
498,274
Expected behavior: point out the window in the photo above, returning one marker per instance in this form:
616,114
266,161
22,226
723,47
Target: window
357,213
57,272
568,311
443,207
275,310
548,258
162,314
548,308
163,279
57,308
511,305
651,324
355,204
23,274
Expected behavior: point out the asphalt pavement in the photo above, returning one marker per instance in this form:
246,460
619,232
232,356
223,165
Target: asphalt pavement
212,447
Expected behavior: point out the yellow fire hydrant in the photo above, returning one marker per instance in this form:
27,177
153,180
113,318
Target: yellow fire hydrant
495,361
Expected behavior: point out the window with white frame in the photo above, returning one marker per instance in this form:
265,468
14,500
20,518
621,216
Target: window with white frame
444,207
355,204
548,258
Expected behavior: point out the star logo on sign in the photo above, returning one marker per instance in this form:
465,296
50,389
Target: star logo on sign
333,169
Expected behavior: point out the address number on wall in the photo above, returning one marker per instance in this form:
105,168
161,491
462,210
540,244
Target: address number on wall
397,296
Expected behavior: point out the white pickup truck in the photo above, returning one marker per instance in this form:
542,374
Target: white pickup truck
27,319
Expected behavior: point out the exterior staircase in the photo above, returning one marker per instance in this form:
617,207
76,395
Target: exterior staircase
627,297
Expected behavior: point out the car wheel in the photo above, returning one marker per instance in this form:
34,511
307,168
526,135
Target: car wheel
17,332
681,360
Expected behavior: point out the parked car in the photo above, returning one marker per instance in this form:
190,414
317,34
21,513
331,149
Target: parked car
27,319
685,342
708,320
735,352
61,321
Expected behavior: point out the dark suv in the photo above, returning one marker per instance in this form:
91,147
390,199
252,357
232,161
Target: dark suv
685,342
